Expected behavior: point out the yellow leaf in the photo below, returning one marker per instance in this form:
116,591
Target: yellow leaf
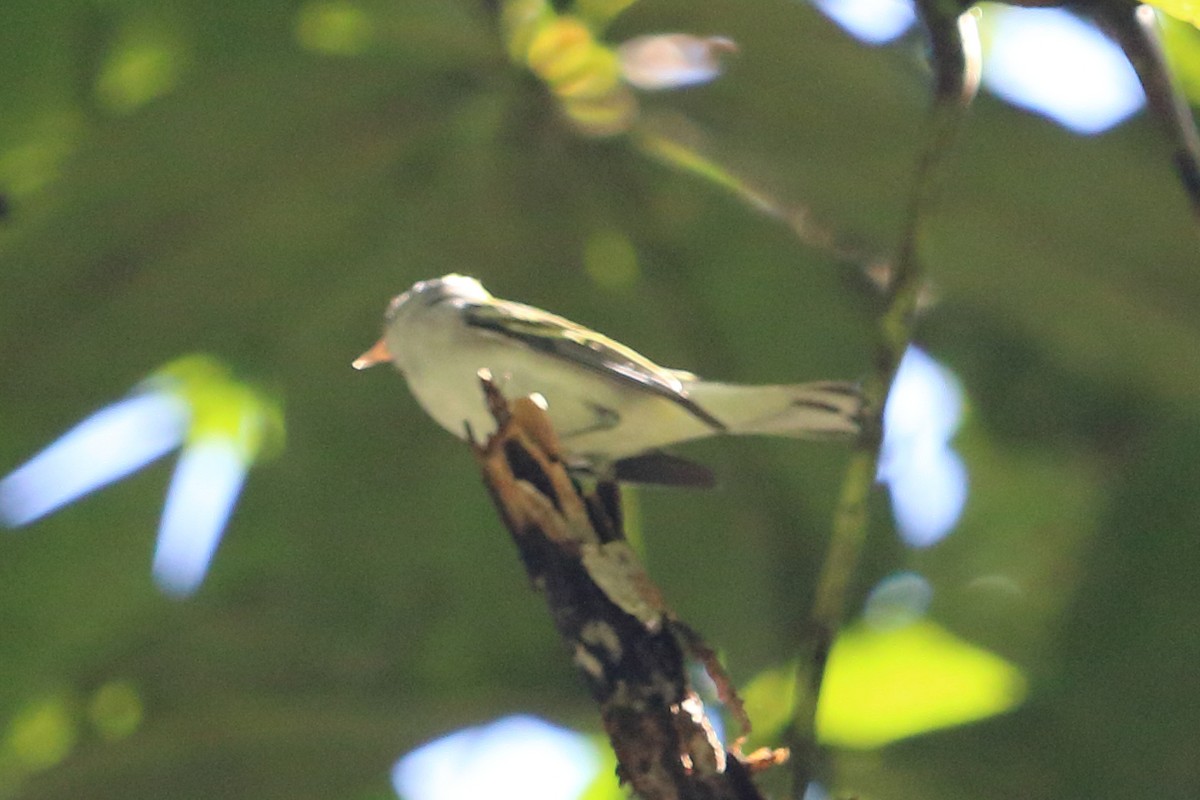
1186,10
115,710
222,407
882,685
42,734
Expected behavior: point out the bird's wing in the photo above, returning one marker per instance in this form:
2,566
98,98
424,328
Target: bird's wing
561,338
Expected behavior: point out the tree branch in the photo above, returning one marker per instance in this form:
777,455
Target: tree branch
630,648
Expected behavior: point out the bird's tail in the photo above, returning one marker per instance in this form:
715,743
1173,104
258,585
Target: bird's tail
819,410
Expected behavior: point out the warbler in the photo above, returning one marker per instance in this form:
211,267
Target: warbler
612,408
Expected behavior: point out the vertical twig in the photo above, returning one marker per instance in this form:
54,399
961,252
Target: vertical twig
1135,29
670,142
955,55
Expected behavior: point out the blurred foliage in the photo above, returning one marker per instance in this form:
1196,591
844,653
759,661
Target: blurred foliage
1186,10
222,408
884,684
254,180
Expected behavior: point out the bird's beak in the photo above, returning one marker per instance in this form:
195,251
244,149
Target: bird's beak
376,355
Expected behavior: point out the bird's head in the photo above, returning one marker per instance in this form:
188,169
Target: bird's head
404,307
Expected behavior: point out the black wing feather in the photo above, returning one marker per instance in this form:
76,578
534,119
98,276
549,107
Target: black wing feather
559,337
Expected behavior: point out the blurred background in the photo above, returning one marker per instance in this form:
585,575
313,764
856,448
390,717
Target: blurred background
204,208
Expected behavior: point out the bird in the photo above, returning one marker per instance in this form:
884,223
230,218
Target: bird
613,409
